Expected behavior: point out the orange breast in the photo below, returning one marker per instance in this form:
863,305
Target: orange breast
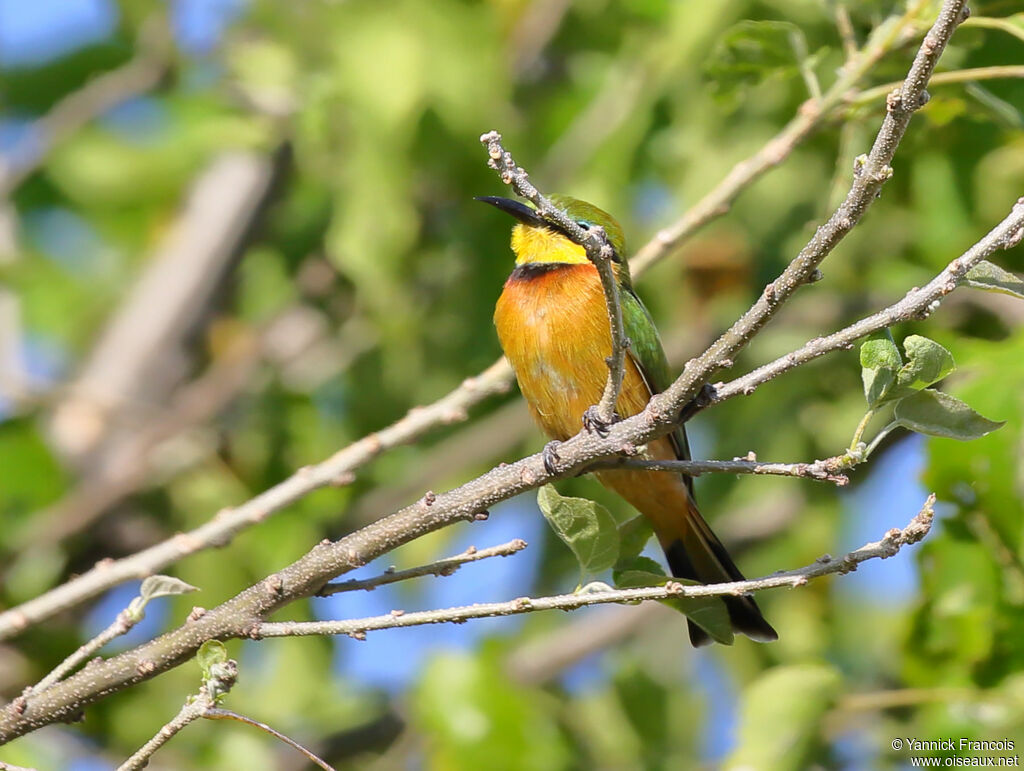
553,326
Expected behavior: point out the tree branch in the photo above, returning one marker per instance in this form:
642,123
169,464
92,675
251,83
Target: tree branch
93,99
242,615
445,567
945,78
452,407
888,546
918,303
809,118
220,679
870,173
826,470
336,470
599,251
227,714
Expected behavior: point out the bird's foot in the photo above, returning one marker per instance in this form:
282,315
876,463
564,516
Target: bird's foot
550,456
594,424
704,397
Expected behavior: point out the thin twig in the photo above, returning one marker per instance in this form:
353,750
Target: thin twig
822,470
845,29
216,713
970,75
220,679
121,625
599,251
918,303
444,567
191,710
809,118
889,545
870,172
100,94
220,530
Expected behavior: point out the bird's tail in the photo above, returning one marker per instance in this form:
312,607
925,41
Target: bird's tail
695,553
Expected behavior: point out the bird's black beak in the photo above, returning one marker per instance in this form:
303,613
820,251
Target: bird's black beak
520,211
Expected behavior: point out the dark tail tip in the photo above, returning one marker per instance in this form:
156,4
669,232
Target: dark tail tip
746,619
744,614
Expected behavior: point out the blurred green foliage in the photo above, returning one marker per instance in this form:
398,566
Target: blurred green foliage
640,106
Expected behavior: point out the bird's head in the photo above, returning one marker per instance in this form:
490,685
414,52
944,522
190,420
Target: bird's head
537,241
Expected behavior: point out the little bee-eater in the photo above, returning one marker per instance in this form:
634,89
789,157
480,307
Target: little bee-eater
552,322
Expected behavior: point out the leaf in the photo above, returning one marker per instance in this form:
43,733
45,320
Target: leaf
935,413
162,586
753,51
633,537
211,653
586,527
645,565
879,361
989,276
157,586
708,613
927,363
780,717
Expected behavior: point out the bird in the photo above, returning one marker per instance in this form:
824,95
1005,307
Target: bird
552,323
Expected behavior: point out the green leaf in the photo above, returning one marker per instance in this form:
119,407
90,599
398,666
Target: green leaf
938,414
879,361
989,276
157,586
634,565
211,653
162,586
586,527
633,537
754,51
780,718
927,363
708,613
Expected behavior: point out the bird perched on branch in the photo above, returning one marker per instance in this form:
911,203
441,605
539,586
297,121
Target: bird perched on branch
552,322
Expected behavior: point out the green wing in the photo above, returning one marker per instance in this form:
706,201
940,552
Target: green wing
649,356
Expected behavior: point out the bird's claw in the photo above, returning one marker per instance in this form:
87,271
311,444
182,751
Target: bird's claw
550,456
704,397
594,424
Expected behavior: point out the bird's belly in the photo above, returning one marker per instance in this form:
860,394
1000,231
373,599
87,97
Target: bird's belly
554,331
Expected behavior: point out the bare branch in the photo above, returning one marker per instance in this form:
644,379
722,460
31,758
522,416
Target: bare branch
190,711
870,173
918,303
599,251
336,470
889,545
826,470
227,714
945,78
121,625
445,567
811,116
